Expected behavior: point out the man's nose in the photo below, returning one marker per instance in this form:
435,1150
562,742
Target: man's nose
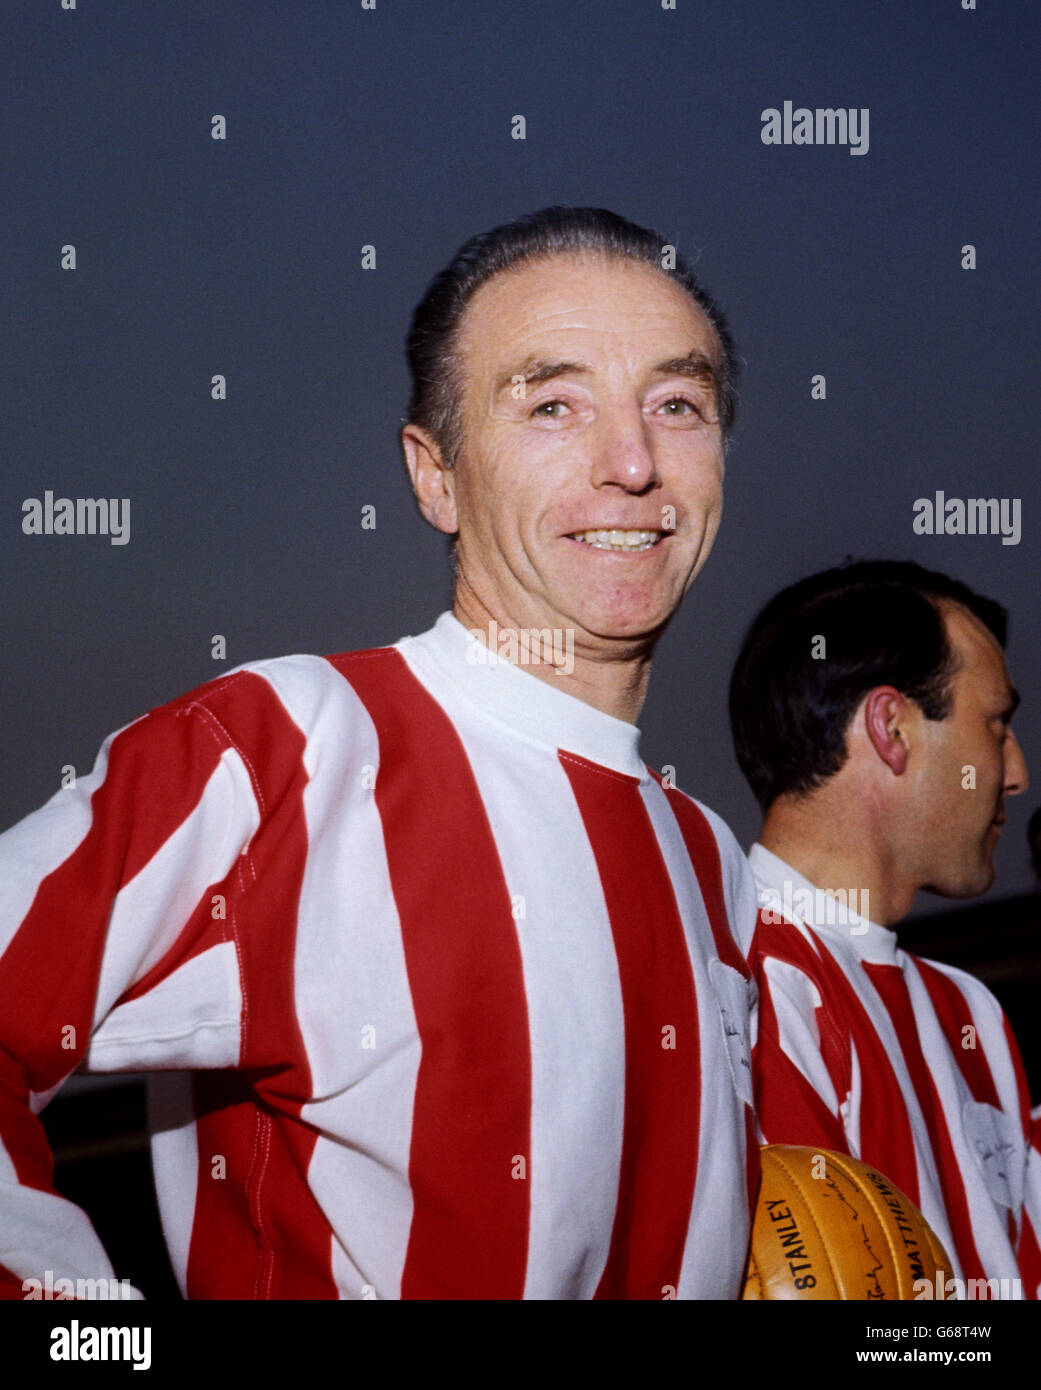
1017,779
624,455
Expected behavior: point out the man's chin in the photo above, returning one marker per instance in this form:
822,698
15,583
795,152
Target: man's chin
623,622
964,886
616,632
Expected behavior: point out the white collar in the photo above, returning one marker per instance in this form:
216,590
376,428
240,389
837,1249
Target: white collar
783,889
452,664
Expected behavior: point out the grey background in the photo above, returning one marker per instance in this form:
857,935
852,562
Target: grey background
392,127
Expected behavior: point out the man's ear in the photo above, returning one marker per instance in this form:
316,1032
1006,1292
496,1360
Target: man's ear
886,724
432,480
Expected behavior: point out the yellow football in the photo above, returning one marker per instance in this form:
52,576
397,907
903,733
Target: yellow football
827,1226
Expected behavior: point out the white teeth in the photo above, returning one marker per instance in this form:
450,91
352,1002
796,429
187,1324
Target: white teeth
619,540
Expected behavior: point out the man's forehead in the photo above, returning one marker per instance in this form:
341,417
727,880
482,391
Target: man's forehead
536,308
979,651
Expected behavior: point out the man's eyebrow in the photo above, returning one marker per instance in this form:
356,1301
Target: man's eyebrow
695,364
537,369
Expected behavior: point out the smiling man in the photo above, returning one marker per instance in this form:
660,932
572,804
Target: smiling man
871,708
590,489
459,983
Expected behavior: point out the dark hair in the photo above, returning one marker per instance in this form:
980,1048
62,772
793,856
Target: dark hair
432,341
881,625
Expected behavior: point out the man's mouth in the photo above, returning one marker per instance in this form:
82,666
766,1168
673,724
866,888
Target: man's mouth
626,541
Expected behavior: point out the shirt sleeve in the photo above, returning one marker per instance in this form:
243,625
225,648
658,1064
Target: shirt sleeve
106,892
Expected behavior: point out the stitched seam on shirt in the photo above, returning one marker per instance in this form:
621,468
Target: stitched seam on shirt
630,779
262,1133
100,1045
255,1177
840,1038
233,927
220,683
254,1181
258,1168
254,779
208,719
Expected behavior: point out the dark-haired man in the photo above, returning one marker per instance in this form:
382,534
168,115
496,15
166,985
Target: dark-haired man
871,711
455,974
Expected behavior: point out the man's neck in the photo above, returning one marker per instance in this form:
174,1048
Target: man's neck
837,854
614,682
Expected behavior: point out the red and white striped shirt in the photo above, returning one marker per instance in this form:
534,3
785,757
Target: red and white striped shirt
444,977
903,1062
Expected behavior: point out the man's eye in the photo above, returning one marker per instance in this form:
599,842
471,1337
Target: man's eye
548,409
679,405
